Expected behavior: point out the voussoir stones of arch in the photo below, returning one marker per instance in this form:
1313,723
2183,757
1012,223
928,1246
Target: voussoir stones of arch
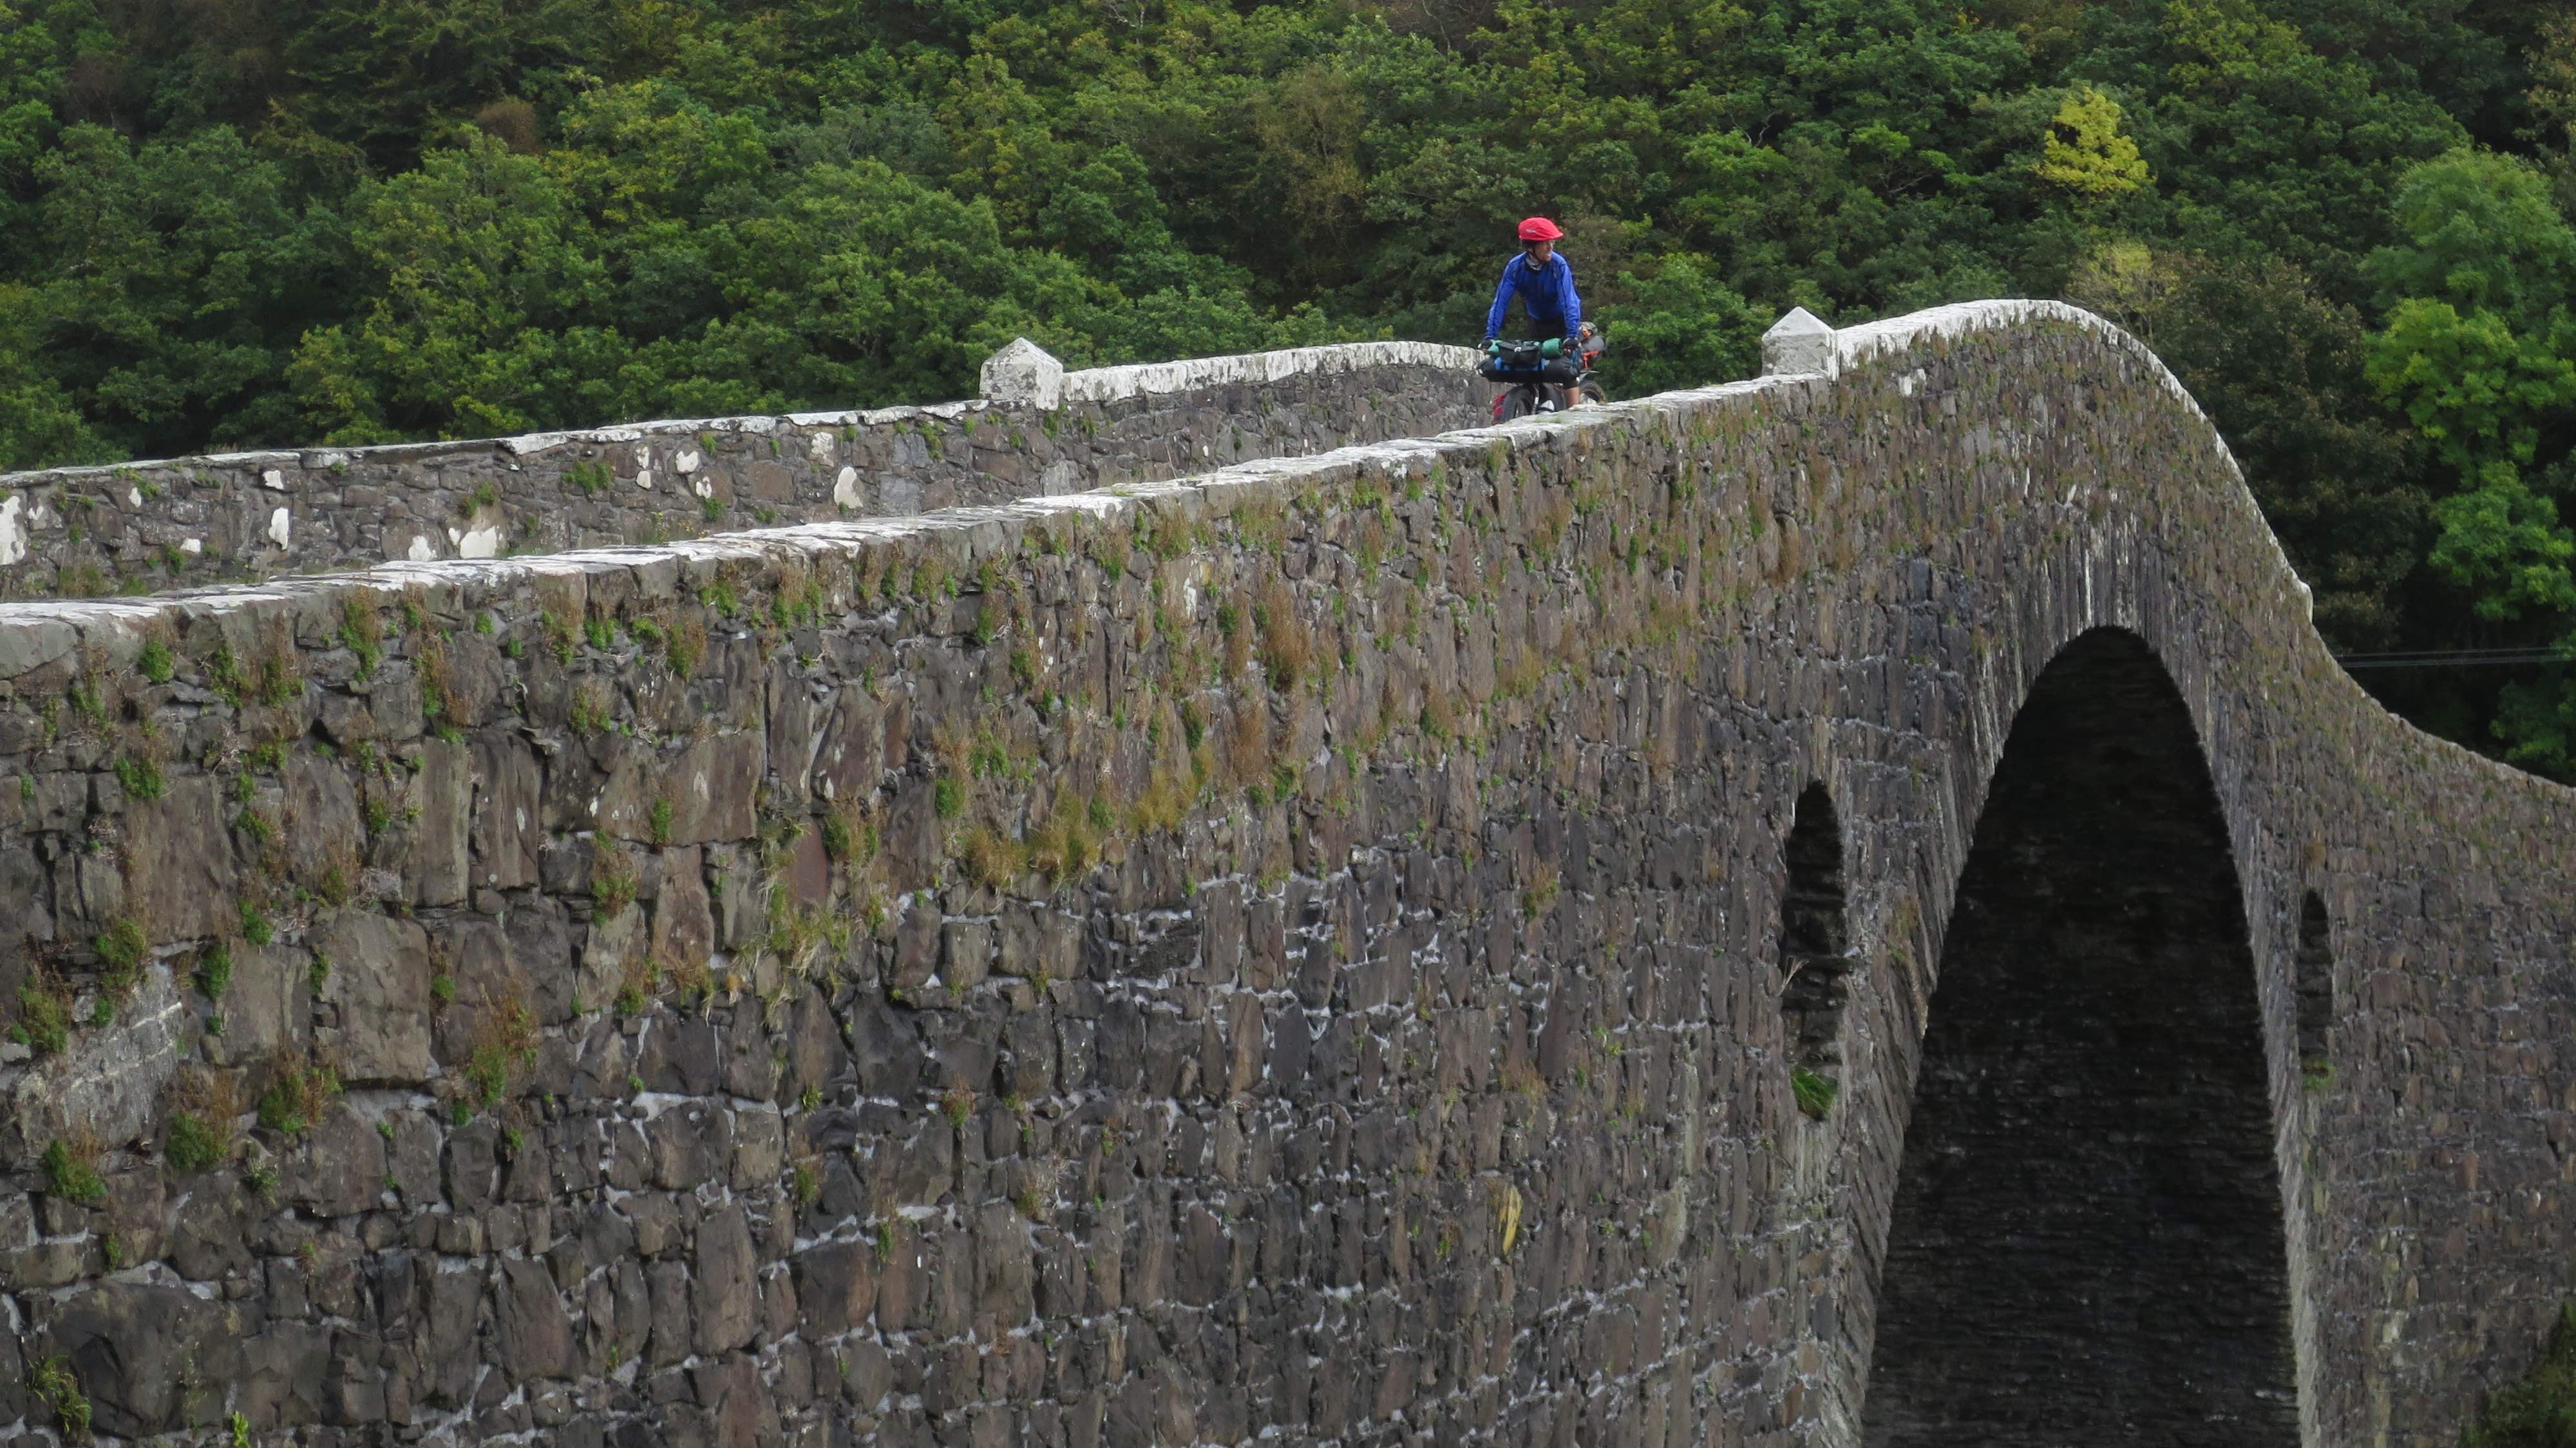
1024,373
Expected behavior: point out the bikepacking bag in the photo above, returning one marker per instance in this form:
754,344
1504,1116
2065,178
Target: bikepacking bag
1520,361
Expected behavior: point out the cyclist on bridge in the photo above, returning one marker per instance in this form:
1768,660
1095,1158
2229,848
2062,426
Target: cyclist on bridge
1544,281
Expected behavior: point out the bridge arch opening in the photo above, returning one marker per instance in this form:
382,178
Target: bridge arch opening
1815,948
2086,1241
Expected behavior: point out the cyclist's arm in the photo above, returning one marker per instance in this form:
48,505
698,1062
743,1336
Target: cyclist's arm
1502,302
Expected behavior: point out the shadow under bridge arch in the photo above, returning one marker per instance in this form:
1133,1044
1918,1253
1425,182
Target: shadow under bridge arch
2086,1243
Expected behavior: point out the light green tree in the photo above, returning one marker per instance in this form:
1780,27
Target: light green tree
2084,151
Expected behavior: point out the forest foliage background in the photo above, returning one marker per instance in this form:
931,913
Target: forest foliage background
2346,223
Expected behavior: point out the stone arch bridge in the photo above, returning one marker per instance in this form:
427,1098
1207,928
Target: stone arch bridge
1850,907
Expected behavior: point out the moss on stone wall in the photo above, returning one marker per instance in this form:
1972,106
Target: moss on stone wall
2540,1410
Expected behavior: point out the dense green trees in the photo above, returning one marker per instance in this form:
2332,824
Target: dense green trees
2478,354
2345,222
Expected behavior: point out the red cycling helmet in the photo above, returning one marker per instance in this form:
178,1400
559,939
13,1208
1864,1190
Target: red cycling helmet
1539,228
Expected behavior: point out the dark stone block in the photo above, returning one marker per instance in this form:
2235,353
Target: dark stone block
535,1335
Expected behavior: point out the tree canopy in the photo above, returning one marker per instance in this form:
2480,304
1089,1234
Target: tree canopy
2347,225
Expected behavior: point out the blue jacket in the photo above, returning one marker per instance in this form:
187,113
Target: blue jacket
1547,294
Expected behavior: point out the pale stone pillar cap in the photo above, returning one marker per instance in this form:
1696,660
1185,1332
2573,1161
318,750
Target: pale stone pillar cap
1024,373
1798,343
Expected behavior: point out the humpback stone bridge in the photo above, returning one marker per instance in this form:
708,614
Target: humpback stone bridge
1846,908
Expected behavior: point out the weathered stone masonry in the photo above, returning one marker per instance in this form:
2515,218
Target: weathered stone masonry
141,527
1297,949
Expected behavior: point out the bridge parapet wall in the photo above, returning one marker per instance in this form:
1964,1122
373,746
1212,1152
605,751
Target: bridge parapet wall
228,518
1293,948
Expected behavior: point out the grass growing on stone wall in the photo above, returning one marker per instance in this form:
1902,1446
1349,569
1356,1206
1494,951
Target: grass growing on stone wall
71,1170
987,856
1538,896
1163,805
50,1383
690,981
1815,1093
191,1144
849,836
1063,845
439,698
362,632
613,881
687,645
215,970
44,1023
1287,649
202,1111
802,938
90,699
224,676
122,951
337,880
140,776
280,678
2539,1411
592,711
506,1040
299,1091
637,980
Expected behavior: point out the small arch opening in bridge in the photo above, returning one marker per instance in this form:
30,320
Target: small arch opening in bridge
1815,949
2086,1240
2315,965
